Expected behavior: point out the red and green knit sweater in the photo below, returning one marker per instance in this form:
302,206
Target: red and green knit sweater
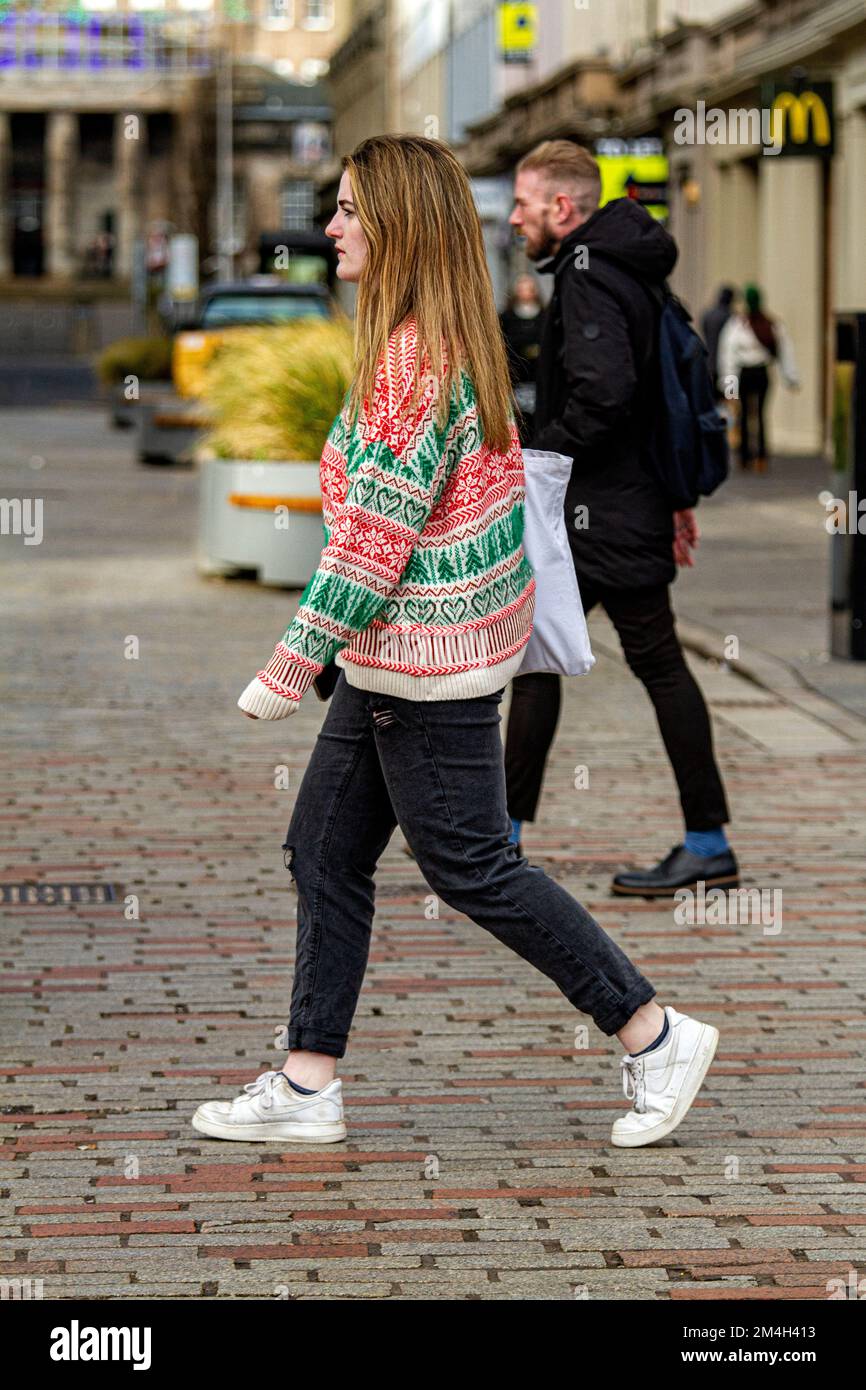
422,590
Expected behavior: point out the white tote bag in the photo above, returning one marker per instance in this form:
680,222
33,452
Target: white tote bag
559,640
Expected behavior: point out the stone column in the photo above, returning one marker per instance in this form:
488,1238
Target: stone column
130,138
61,159
790,274
5,197
849,252
688,224
183,155
734,227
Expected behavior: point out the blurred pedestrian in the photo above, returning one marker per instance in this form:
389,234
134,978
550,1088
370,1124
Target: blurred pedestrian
425,594
712,324
597,398
521,323
750,342
104,253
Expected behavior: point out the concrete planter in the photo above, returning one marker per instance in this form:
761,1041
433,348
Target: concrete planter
122,413
125,414
241,529
170,426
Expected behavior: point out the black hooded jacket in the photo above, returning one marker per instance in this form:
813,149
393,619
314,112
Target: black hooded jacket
597,393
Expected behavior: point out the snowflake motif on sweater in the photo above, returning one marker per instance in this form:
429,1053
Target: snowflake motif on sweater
422,588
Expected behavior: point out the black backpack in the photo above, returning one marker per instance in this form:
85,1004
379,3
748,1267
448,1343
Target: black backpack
688,451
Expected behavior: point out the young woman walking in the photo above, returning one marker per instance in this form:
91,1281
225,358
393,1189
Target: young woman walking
749,344
425,597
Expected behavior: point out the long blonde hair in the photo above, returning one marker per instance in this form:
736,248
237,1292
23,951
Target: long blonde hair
425,257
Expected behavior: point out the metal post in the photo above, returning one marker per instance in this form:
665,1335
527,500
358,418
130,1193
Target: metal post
225,163
848,541
451,134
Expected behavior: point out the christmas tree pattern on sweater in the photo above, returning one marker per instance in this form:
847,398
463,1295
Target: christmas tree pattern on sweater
423,571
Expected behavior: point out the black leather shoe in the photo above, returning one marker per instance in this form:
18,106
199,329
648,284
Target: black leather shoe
681,869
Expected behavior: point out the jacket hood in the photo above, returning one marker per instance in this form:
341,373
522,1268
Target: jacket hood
628,234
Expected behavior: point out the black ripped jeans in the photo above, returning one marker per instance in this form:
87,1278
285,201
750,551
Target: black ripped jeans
645,626
435,768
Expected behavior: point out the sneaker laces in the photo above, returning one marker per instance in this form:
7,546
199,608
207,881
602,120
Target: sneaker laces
263,1086
634,1082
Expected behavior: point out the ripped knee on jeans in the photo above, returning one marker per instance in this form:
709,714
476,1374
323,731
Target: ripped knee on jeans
289,858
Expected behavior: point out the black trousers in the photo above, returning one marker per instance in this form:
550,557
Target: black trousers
435,768
645,626
754,385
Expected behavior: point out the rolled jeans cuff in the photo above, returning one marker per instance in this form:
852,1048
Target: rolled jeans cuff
305,1039
618,1016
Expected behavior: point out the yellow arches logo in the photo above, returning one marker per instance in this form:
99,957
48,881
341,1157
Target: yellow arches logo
797,109
801,123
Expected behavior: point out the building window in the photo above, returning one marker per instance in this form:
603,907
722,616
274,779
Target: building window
279,14
318,14
297,205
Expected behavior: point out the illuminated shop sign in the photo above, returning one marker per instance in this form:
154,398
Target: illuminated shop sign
77,40
634,169
518,31
803,119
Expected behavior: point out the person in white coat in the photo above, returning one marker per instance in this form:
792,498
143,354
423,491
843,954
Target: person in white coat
749,344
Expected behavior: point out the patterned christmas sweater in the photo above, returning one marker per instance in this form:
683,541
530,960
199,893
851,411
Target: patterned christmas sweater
423,589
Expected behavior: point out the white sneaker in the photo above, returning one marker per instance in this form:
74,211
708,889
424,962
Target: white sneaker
271,1109
663,1083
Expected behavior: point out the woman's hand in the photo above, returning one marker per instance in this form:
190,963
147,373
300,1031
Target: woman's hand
686,537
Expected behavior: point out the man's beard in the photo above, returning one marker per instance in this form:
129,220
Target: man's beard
547,246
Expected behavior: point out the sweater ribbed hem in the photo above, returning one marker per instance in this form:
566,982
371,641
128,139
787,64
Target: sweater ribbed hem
463,685
263,703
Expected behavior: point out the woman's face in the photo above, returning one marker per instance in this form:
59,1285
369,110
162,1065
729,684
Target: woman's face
345,228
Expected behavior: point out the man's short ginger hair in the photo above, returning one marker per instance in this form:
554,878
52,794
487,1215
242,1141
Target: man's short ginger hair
568,168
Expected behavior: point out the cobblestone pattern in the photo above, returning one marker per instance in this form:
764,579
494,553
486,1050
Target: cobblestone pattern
478,1163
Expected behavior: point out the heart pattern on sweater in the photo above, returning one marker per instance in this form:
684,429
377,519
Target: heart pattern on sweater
421,610
455,610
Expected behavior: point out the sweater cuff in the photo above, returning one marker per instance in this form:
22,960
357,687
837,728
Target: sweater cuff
264,703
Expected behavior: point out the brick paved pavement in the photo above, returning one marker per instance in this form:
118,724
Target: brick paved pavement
478,1162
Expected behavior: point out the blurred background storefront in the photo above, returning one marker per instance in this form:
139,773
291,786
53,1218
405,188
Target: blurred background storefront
494,79
126,122
110,117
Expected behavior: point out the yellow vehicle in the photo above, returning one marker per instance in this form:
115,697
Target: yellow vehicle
224,309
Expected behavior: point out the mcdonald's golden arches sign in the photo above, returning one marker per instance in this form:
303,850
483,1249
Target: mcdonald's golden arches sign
802,120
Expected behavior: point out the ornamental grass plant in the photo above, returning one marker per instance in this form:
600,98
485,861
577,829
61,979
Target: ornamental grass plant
273,392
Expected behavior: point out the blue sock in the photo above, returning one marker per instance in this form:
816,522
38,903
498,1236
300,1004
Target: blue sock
658,1042
295,1087
706,843
514,837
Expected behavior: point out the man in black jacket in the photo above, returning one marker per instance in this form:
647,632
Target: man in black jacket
596,396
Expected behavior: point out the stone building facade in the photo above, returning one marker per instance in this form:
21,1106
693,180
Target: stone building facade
108,128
